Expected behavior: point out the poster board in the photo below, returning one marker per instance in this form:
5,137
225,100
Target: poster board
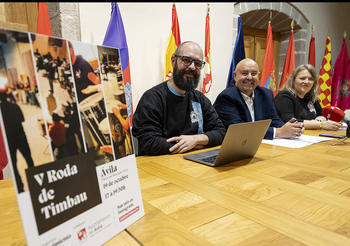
65,124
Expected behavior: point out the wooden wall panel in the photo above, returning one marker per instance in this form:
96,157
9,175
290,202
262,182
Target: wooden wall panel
19,16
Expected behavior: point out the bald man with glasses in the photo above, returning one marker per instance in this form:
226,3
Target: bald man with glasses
174,117
245,101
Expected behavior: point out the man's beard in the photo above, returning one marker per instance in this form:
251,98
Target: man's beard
184,82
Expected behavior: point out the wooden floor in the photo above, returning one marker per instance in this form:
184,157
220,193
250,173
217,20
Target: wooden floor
282,196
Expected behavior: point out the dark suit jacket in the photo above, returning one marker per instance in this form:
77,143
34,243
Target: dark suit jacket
232,108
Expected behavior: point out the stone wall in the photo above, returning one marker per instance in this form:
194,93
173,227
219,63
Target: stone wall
65,20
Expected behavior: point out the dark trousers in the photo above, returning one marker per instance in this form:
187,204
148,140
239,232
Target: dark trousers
22,145
51,85
60,151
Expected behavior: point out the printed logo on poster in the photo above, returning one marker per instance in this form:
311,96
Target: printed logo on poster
82,235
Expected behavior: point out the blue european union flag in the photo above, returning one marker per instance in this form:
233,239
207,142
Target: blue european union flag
238,51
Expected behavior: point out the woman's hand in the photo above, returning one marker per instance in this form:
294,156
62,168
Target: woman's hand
331,125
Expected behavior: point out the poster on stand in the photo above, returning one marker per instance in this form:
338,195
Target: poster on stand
65,125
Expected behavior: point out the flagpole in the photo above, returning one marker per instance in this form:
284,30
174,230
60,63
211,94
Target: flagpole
313,29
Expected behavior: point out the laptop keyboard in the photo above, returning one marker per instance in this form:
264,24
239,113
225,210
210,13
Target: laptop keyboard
209,159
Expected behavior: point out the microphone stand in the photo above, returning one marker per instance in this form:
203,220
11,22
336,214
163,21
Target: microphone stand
347,133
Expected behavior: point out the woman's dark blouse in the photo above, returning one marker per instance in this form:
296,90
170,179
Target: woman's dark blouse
288,106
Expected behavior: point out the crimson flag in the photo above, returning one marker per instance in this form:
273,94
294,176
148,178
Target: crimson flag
341,79
312,53
268,73
43,24
3,156
289,63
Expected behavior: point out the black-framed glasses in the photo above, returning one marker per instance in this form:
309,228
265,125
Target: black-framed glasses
187,61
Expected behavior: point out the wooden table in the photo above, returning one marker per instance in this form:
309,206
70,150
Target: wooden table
282,196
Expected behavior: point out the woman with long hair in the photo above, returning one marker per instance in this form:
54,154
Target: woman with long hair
298,99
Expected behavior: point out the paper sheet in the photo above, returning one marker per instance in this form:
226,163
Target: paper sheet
303,141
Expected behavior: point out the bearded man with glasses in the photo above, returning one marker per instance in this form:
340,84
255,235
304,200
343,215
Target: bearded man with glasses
174,117
245,101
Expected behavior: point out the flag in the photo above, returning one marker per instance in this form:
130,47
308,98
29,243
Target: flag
238,51
312,53
341,79
289,62
268,78
3,156
43,24
207,81
325,76
173,42
115,37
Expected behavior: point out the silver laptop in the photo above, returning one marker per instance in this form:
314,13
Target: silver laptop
241,141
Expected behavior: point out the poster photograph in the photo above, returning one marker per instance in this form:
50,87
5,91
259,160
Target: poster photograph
67,134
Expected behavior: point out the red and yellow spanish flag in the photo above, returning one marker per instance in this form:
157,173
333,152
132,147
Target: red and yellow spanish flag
289,63
268,78
173,42
207,82
43,24
325,77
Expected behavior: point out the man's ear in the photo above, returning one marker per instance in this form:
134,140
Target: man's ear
173,60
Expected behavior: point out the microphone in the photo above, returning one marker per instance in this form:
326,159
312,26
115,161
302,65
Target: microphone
335,114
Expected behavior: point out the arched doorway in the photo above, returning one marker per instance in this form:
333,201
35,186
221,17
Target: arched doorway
256,16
